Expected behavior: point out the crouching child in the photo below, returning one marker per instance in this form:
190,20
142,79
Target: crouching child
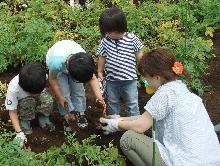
27,99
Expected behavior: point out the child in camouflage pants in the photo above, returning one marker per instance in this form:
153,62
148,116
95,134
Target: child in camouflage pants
32,106
27,99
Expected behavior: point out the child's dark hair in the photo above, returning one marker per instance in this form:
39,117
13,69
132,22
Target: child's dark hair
160,62
81,66
112,20
32,78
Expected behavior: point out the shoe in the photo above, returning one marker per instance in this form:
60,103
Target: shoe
73,4
87,4
66,127
81,120
78,6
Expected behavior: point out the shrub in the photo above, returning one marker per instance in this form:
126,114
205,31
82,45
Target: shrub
185,27
3,91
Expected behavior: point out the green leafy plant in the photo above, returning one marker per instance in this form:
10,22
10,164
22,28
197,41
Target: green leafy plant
207,12
3,91
71,153
185,27
12,154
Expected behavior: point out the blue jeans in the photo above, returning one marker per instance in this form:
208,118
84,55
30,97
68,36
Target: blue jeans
129,92
74,93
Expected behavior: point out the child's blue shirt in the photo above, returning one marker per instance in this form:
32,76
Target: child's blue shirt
57,55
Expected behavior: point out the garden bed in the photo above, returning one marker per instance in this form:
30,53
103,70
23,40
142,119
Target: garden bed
42,140
28,32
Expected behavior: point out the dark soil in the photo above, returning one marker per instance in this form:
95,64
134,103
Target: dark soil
212,77
41,140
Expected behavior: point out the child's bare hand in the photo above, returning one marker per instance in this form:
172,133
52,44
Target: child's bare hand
100,103
27,148
62,101
100,75
70,117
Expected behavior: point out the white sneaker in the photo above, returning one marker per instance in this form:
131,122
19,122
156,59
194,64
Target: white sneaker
87,4
73,4
77,5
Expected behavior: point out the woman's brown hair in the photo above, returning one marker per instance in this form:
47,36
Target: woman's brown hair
159,62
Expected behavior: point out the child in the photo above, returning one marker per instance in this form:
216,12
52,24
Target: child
184,132
118,52
69,67
26,97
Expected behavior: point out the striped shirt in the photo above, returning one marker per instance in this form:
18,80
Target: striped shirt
184,132
120,56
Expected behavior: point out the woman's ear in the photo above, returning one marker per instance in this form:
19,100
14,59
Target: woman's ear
157,77
159,80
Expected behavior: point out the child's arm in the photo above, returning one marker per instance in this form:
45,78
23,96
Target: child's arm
54,85
11,103
19,133
14,119
101,66
95,87
139,55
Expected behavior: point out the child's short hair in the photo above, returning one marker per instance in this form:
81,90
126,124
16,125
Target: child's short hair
159,62
32,78
112,20
81,66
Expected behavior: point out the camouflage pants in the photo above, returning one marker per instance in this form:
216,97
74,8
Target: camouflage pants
30,106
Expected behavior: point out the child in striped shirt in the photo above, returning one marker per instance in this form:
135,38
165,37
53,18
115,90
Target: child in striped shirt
118,53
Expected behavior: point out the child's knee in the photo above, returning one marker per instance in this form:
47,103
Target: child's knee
26,108
46,97
45,106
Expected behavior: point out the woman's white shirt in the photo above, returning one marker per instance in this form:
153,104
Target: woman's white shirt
184,132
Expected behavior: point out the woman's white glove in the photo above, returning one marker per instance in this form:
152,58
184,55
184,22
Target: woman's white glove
20,136
115,116
110,124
